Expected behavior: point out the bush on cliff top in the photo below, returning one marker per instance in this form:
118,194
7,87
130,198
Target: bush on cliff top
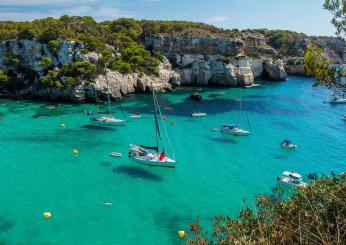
312,215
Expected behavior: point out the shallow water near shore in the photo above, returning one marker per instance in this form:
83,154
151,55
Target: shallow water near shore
40,173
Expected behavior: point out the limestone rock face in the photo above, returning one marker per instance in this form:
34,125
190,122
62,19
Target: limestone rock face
274,70
257,68
295,66
201,45
123,84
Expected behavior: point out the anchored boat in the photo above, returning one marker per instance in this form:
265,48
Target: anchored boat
235,129
288,144
198,114
291,178
149,155
107,120
337,100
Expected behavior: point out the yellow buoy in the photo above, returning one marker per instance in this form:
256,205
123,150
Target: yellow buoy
62,125
47,215
181,234
75,152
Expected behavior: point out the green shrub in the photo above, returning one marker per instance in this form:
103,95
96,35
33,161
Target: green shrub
29,34
4,79
45,61
53,45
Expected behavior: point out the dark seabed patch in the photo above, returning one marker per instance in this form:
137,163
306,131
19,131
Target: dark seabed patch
224,139
284,124
279,156
171,222
137,173
5,224
97,127
105,164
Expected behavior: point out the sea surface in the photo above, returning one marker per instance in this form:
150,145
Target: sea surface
215,173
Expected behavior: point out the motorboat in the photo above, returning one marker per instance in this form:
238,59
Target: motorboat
253,85
288,144
136,115
154,155
291,178
337,100
233,129
198,114
115,154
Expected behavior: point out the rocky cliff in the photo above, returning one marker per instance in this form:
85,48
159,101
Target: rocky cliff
189,60
216,61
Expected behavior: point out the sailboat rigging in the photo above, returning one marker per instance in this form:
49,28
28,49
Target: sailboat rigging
235,128
142,155
107,120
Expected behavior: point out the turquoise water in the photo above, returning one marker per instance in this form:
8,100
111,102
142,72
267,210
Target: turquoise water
39,172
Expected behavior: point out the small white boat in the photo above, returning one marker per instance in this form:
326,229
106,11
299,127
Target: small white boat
253,85
288,144
233,129
291,178
344,118
106,120
198,114
337,101
136,115
115,154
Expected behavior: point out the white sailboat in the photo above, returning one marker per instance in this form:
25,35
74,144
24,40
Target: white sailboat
235,129
149,155
106,119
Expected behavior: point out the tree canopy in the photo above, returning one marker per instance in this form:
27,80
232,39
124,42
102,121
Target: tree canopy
315,214
316,64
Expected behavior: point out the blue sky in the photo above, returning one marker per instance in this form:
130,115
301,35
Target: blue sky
306,16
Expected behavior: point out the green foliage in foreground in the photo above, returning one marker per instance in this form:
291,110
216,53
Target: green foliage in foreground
312,215
327,74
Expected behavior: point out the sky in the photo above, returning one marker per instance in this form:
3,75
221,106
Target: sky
307,16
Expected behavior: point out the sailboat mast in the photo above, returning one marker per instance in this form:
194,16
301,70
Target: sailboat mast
156,122
108,96
239,111
164,127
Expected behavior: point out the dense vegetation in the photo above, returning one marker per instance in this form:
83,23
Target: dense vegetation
312,215
315,64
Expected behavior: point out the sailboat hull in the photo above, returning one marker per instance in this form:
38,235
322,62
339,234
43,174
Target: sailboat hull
109,123
166,163
236,132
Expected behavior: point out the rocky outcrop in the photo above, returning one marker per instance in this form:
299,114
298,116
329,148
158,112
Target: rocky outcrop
196,45
123,84
274,70
30,55
215,61
294,66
